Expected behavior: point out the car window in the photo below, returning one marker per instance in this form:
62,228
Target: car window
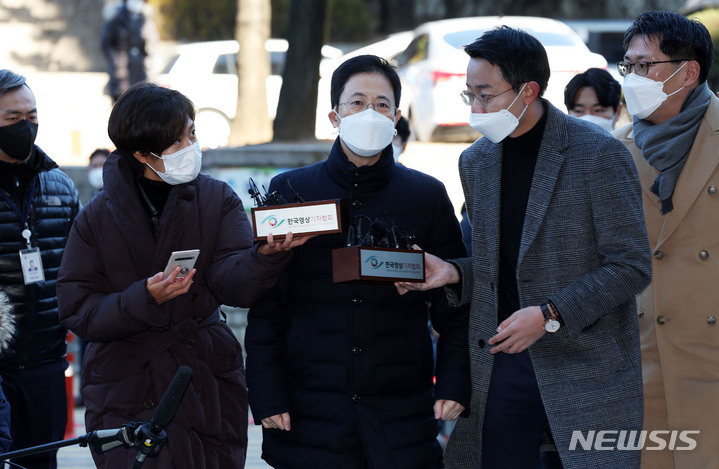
226,64
171,64
459,39
416,51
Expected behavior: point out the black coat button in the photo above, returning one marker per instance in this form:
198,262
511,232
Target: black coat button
356,398
357,300
356,204
356,350
193,297
481,343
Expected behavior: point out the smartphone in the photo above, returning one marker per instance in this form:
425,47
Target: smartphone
185,259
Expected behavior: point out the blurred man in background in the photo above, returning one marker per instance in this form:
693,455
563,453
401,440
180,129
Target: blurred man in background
594,96
124,41
94,169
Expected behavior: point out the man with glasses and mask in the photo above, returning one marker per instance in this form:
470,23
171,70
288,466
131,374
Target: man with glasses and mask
674,141
341,375
37,205
559,251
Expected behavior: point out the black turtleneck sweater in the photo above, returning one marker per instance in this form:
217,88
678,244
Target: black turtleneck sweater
15,178
519,157
157,193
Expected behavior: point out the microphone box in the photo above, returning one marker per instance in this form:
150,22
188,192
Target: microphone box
365,264
320,217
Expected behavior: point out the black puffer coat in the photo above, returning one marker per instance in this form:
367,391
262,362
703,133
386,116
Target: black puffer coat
137,345
353,364
40,338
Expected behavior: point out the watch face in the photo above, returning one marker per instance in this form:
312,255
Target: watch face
552,325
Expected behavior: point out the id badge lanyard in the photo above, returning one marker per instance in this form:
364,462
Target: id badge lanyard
30,258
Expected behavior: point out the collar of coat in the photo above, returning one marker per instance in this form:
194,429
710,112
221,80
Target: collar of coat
133,221
359,180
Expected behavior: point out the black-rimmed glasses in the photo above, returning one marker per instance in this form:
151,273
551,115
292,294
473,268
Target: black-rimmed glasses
641,68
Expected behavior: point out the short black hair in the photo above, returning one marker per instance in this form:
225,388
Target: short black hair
402,127
149,118
678,36
10,81
519,55
608,90
100,152
363,64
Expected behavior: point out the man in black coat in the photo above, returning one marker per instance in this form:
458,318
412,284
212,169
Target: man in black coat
37,205
340,375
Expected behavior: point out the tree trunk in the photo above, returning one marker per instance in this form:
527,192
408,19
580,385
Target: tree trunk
252,123
296,111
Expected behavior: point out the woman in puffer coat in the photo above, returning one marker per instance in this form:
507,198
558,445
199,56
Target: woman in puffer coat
141,325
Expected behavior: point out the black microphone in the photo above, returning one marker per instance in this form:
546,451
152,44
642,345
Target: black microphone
150,437
171,400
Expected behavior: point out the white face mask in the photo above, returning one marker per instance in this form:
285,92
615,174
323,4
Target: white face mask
496,126
182,166
94,177
644,95
366,133
603,122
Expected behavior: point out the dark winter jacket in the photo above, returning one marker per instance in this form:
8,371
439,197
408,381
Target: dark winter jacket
353,364
40,338
135,345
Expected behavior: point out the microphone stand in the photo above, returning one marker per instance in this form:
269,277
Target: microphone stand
100,440
148,438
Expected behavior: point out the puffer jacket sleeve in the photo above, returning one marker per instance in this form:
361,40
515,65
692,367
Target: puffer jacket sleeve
86,304
267,325
452,366
239,274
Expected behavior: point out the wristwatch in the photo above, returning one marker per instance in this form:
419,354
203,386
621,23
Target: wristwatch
551,321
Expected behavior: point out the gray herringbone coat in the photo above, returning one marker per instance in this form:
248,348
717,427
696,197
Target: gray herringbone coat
585,247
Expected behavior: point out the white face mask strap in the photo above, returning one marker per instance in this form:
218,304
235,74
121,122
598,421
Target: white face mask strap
156,171
517,97
522,113
677,71
515,100
670,76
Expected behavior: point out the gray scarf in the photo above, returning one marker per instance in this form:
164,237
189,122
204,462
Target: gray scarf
666,146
